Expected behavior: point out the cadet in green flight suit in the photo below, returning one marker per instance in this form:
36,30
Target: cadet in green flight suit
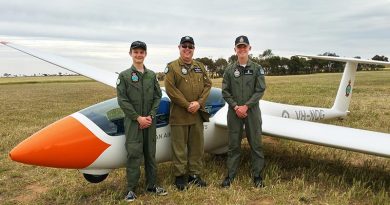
188,87
243,86
139,96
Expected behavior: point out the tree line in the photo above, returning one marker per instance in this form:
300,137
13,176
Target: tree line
276,65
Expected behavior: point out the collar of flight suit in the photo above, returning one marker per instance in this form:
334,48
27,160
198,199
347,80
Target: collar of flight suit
132,68
248,64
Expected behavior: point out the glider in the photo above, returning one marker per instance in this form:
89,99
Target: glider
92,140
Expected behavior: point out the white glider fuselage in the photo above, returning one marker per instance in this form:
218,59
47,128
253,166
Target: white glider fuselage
92,140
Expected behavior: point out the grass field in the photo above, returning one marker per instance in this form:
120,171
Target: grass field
295,173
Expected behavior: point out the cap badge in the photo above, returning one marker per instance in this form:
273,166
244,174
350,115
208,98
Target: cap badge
241,40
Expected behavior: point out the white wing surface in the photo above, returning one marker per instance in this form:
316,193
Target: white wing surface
344,59
100,75
364,141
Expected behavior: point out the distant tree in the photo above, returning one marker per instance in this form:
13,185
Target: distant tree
332,66
295,65
209,64
379,58
160,76
266,54
220,65
232,59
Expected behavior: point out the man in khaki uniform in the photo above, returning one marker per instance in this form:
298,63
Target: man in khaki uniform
243,86
139,96
188,87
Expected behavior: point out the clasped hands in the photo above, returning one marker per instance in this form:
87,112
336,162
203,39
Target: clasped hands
193,107
144,122
241,111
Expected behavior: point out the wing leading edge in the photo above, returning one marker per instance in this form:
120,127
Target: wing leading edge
100,75
358,140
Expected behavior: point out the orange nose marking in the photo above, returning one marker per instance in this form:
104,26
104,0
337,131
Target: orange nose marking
64,144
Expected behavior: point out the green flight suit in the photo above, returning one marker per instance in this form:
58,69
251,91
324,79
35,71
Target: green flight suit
139,94
244,86
184,84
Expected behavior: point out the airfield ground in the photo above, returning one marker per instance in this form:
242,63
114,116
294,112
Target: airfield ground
295,173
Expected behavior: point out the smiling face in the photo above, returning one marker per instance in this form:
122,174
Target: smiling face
138,55
242,50
186,52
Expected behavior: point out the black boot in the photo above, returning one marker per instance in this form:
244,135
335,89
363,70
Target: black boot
226,182
258,182
180,183
196,180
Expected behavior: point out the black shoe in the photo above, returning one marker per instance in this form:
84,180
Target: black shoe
180,183
258,182
196,180
159,191
130,196
226,182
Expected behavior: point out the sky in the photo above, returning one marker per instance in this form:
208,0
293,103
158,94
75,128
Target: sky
99,32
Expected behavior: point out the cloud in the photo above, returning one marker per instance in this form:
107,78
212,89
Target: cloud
348,28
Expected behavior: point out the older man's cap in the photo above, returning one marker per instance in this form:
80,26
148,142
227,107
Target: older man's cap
138,44
241,40
188,39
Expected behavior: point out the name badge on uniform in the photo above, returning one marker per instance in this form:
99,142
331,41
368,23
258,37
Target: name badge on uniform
198,70
134,77
248,72
236,73
184,71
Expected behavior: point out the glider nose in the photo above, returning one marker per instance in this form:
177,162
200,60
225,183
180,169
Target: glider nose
64,144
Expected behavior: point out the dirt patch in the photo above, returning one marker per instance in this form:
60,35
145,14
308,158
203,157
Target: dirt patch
32,192
270,141
263,201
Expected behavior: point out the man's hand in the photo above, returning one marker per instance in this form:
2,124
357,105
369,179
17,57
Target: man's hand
194,107
241,111
144,122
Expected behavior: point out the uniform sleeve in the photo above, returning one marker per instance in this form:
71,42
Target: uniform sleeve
206,88
227,89
174,94
156,98
259,89
123,100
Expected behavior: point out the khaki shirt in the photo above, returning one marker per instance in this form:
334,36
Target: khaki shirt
184,84
243,85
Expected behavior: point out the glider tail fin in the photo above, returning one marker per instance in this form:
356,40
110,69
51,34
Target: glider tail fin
344,93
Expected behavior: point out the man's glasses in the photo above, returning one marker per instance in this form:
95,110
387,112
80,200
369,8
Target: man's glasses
189,46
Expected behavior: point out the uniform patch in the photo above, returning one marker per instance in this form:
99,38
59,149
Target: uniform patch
236,73
348,89
166,70
248,72
118,81
134,77
198,70
184,71
262,71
